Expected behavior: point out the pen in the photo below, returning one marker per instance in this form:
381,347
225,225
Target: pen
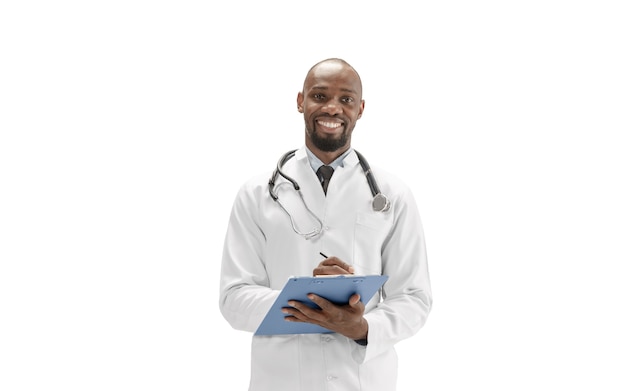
322,254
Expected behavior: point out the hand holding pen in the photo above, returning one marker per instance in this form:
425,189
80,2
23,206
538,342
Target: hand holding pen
332,266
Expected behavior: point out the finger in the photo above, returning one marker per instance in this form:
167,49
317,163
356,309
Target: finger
301,309
320,301
329,271
334,265
354,300
294,319
294,315
334,261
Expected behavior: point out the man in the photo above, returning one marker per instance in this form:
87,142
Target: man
270,239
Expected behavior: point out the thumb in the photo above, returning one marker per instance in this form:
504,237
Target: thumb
354,299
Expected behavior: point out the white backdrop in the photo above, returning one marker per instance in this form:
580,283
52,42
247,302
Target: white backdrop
506,118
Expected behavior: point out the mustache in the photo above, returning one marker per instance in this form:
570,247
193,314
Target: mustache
341,117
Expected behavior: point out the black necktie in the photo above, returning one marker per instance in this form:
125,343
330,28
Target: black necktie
324,173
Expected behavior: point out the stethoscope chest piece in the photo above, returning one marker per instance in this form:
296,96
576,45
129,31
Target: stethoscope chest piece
381,203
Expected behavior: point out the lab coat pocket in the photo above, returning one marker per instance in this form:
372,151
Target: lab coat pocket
271,355
370,231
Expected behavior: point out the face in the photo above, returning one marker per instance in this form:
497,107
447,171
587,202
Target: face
331,103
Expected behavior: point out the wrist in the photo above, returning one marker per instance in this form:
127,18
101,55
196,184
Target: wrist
363,331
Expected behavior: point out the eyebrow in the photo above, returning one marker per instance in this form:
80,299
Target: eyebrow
322,88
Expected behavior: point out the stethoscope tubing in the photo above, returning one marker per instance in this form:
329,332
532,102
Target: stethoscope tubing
368,174
380,202
279,171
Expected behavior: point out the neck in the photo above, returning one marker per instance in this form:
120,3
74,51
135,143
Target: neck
325,156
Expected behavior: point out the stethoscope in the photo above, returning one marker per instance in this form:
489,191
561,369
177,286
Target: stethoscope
380,202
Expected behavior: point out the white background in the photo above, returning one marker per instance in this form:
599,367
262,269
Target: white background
506,118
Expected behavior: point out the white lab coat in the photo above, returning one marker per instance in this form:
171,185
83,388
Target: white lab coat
261,251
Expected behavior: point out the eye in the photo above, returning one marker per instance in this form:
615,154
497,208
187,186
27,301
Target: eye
318,96
347,99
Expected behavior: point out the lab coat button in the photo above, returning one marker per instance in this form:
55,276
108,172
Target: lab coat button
330,378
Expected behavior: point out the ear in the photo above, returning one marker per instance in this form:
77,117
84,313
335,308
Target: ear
361,109
300,102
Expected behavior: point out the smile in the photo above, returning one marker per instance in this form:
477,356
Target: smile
330,125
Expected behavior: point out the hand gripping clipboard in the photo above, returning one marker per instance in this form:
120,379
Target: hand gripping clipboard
336,289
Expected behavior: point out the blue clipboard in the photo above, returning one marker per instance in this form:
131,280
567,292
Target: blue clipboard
336,289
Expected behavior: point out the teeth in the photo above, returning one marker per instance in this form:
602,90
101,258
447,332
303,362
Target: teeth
330,124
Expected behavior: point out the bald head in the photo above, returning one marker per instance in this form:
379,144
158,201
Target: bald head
329,66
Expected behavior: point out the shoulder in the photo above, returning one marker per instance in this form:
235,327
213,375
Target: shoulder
397,189
255,183
389,179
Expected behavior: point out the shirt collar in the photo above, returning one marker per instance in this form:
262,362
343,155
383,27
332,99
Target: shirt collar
316,162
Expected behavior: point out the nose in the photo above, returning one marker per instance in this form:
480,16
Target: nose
333,107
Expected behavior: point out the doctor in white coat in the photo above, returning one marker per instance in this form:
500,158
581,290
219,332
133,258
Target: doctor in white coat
274,233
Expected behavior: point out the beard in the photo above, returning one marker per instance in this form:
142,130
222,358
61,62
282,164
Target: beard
328,144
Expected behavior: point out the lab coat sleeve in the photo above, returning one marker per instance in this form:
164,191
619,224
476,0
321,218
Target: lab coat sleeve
245,296
407,295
